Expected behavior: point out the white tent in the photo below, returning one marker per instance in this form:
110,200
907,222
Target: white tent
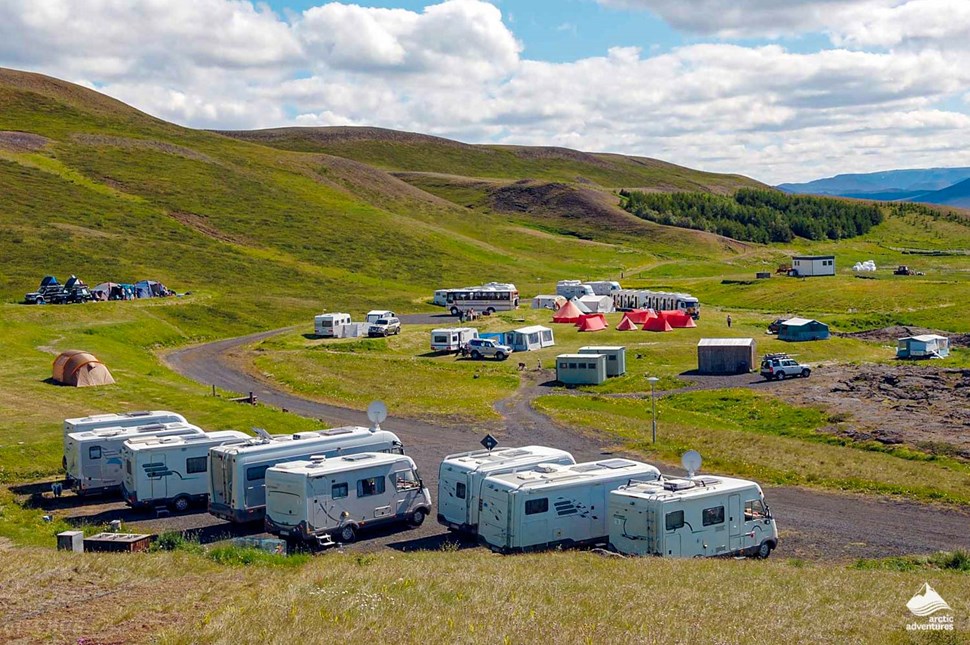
598,304
527,339
580,305
548,302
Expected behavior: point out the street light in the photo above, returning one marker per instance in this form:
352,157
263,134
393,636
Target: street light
653,406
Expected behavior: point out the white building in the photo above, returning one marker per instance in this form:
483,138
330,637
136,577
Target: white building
813,265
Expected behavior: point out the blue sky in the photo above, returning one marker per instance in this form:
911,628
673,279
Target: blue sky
780,91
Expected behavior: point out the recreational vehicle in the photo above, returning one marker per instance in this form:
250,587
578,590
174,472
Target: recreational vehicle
94,457
451,339
312,500
330,325
170,471
629,299
460,479
570,289
696,517
604,287
120,420
553,505
237,486
376,314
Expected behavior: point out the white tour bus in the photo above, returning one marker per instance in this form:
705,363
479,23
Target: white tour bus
570,289
460,478
170,471
322,499
486,300
119,420
604,287
628,299
553,505
237,485
330,325
94,457
451,339
700,516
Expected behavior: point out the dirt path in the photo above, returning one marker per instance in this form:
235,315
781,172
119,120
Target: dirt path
814,524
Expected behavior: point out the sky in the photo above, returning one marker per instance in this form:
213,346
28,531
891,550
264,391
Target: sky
779,90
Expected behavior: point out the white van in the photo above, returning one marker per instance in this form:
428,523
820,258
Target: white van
170,471
376,314
553,505
451,339
310,500
237,484
94,457
460,479
697,517
330,325
570,289
119,420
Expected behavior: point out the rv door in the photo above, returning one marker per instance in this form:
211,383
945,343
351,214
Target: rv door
734,519
157,474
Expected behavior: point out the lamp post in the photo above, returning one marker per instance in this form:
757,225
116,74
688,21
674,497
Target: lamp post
653,406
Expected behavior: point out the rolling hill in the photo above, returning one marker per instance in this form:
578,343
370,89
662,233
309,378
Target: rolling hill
886,185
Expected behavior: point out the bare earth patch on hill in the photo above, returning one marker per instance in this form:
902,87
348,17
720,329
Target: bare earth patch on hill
890,335
21,141
202,225
142,144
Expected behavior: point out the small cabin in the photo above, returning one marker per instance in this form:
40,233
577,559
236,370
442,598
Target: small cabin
527,339
726,355
804,266
800,329
581,369
615,358
923,346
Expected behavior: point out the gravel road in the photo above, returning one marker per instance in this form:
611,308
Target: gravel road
813,524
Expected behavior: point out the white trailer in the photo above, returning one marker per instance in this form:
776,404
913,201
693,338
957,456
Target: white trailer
696,517
604,287
237,484
93,458
553,505
628,299
331,325
170,471
119,420
451,339
312,500
460,479
570,289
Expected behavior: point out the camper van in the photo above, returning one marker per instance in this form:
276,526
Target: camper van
316,499
170,471
330,325
94,457
376,314
604,287
553,505
460,479
687,518
570,289
237,486
451,339
120,420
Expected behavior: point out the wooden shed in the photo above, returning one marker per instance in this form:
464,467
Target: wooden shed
726,355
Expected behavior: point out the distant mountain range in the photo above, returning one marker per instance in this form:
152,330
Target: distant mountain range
946,186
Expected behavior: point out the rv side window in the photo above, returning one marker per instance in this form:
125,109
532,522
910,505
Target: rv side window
535,506
460,490
754,509
339,491
405,480
562,366
256,473
128,465
196,464
94,452
711,516
370,486
675,520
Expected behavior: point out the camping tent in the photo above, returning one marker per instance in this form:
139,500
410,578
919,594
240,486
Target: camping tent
109,291
592,322
80,369
640,316
527,339
581,305
598,304
626,325
151,289
548,302
678,319
568,313
659,323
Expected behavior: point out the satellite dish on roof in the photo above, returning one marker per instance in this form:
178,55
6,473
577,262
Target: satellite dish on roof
691,461
376,412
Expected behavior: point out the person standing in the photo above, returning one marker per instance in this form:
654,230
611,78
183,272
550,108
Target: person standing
729,321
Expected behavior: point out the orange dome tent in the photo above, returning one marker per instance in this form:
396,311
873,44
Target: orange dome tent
657,324
626,325
80,369
568,313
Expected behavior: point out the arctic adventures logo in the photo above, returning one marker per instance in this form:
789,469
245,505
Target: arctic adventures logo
925,603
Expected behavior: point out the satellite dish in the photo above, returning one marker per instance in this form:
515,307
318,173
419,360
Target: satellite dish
691,461
376,412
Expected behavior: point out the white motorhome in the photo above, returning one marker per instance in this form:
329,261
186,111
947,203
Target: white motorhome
237,485
604,287
451,339
313,500
330,325
460,479
170,471
627,299
553,505
119,420
696,517
376,314
94,457
570,289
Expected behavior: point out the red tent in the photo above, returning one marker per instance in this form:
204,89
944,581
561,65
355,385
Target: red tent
657,324
568,313
626,325
640,316
592,322
678,319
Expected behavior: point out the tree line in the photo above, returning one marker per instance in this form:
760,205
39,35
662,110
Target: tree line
756,215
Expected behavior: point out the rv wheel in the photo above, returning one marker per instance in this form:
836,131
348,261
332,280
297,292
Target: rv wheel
417,518
180,504
455,311
490,311
348,534
764,550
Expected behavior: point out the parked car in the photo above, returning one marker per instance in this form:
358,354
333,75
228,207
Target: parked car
486,347
775,325
52,292
777,367
385,327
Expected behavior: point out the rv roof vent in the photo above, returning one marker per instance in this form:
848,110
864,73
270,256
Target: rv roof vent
707,481
335,432
615,463
318,458
359,456
305,435
546,468
138,413
677,484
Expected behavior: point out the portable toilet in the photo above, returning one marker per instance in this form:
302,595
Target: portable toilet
581,369
615,357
